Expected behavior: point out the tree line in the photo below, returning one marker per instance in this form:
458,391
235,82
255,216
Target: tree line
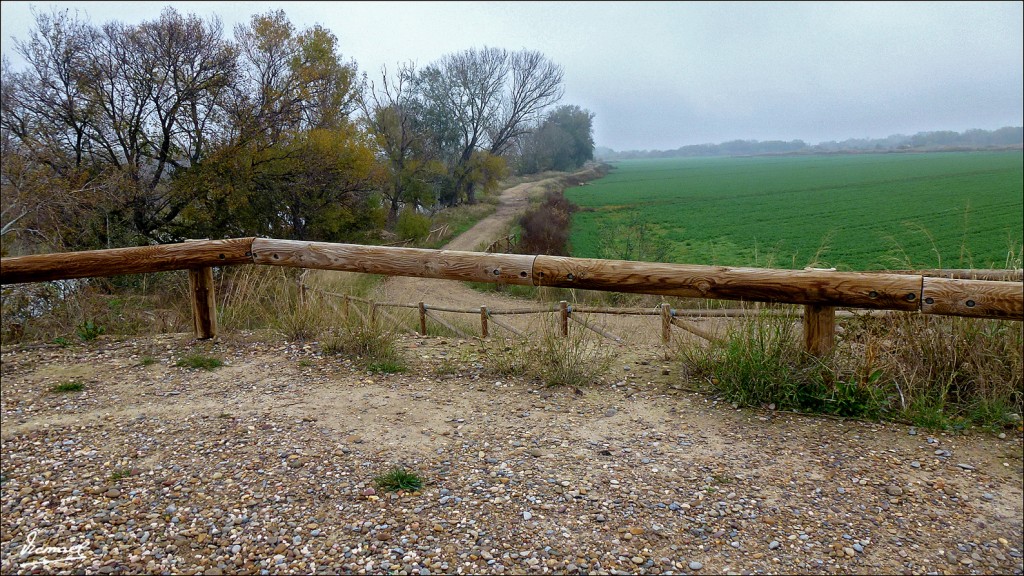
975,139
119,134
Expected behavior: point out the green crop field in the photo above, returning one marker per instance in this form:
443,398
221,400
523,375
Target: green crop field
852,212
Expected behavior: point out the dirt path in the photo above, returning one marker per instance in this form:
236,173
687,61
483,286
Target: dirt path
511,204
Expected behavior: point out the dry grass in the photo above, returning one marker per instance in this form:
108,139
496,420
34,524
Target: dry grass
580,359
74,310
934,371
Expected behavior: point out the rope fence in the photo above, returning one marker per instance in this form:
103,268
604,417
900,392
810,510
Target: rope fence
685,319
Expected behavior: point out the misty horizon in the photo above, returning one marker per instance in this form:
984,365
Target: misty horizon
660,75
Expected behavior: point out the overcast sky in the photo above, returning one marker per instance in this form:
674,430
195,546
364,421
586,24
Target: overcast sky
660,75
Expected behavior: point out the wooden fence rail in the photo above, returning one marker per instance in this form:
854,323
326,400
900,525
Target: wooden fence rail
820,291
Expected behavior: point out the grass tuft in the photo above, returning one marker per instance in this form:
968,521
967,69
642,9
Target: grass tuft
66,387
398,479
89,331
371,344
200,362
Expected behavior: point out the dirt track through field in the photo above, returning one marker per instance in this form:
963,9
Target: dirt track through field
513,202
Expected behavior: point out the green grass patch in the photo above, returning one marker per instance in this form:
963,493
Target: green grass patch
853,212
67,387
393,366
147,361
199,362
398,479
89,331
121,473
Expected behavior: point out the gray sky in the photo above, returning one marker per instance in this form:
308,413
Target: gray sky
659,75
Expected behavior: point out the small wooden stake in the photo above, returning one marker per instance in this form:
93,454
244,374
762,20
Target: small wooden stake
302,287
666,323
563,308
204,304
483,322
423,318
819,329
693,329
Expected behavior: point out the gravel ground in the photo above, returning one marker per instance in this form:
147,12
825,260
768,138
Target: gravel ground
266,465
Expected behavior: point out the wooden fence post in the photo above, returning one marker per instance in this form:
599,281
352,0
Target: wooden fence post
819,329
204,304
423,318
563,308
483,322
666,323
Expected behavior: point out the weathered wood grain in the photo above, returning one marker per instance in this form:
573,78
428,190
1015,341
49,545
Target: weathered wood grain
204,302
1007,275
975,298
877,291
418,262
819,329
117,261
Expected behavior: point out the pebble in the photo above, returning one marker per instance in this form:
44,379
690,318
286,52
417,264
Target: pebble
210,494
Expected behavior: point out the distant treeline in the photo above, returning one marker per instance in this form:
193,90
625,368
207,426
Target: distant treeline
922,141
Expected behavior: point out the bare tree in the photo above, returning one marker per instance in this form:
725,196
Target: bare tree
46,106
535,84
485,99
393,113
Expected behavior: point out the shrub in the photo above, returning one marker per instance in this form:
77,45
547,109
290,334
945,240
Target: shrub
411,225
545,229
